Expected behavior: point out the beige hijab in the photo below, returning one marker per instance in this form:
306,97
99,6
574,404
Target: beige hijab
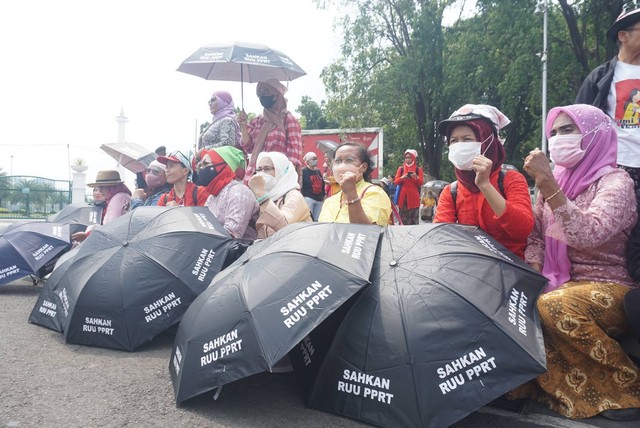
273,118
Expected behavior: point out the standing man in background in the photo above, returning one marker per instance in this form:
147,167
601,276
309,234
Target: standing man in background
614,88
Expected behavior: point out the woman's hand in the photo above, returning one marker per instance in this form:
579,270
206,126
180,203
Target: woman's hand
348,181
242,119
482,167
79,236
538,168
139,193
536,266
172,204
256,184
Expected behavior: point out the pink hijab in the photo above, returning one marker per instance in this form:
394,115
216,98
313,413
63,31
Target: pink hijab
601,144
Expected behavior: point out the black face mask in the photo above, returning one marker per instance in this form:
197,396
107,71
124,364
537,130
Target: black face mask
206,175
267,101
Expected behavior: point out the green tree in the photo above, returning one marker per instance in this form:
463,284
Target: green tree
313,115
391,73
4,187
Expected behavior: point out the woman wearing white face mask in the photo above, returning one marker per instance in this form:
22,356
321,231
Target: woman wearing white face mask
276,188
358,201
497,202
583,215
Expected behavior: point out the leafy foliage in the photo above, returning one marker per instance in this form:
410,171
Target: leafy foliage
403,70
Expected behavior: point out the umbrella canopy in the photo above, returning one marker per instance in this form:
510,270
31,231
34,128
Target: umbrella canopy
26,247
448,324
132,156
241,62
256,310
48,307
134,277
79,217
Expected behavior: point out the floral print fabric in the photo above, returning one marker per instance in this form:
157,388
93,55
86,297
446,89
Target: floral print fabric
595,227
587,370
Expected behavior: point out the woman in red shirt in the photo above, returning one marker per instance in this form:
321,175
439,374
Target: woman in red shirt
411,177
184,193
497,202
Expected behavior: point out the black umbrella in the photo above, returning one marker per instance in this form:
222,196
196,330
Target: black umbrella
79,217
256,310
50,306
448,325
25,247
134,277
241,62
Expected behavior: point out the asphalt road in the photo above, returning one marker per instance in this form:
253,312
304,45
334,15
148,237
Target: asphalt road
47,383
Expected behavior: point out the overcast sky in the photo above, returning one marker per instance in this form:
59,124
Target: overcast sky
69,66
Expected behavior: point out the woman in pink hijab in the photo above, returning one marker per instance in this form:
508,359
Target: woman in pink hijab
585,210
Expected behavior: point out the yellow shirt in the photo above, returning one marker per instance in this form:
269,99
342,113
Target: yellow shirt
375,202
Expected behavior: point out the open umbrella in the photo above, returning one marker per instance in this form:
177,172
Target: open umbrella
79,217
257,309
134,277
48,310
25,247
448,325
132,156
240,62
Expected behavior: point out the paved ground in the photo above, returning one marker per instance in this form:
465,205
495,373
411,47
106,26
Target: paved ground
47,383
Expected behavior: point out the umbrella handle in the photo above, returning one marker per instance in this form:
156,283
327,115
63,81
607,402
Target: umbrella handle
242,87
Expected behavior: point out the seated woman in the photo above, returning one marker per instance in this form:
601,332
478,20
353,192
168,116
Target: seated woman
156,179
184,192
117,197
584,212
230,201
358,201
275,186
497,202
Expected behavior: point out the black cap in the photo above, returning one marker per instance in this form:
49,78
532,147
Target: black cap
624,20
443,126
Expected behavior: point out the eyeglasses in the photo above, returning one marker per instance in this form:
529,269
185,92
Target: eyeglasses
211,101
154,171
348,161
265,169
632,29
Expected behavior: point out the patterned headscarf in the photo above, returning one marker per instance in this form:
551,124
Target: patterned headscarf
492,148
601,144
225,174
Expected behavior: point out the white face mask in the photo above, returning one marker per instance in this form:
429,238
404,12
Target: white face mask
565,150
269,181
461,155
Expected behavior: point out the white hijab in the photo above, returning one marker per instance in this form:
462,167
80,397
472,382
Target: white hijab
286,175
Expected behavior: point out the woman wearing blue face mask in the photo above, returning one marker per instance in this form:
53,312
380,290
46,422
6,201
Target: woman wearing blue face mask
497,202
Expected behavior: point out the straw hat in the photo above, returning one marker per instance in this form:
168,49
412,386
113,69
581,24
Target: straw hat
107,178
